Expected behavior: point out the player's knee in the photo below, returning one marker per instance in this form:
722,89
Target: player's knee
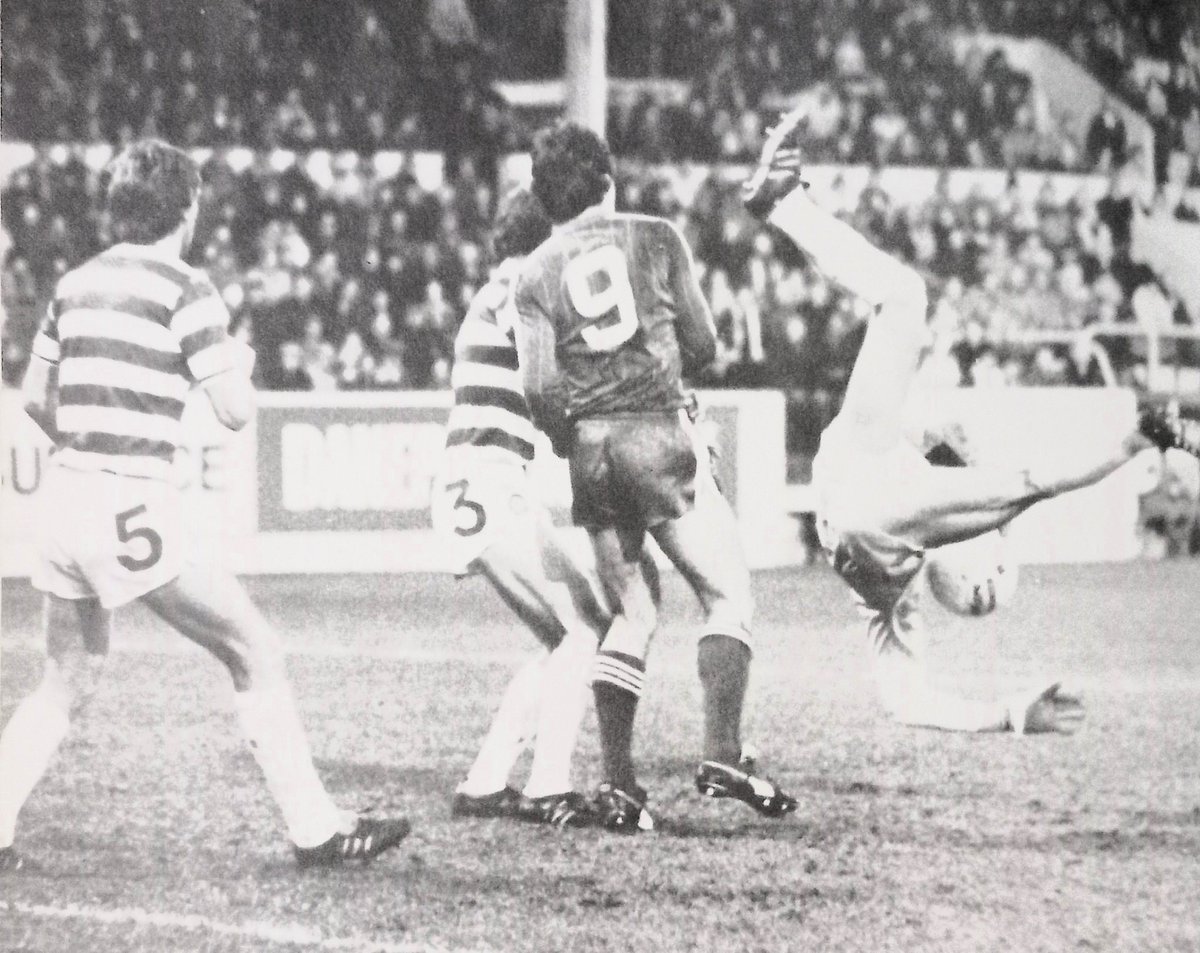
731,617
906,301
631,629
68,685
252,655
907,290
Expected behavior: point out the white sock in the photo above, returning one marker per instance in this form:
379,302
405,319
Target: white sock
564,699
28,744
839,252
272,726
510,733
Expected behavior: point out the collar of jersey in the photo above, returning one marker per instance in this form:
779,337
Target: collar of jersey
592,211
146,251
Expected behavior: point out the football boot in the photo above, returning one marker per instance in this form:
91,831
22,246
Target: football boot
717,780
623,812
778,169
503,803
569,809
370,838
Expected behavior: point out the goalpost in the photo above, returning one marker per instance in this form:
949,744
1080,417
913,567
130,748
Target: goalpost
586,78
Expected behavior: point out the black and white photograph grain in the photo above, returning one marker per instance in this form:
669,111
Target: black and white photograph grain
600,476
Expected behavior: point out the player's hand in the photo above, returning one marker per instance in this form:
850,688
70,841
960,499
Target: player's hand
1044,711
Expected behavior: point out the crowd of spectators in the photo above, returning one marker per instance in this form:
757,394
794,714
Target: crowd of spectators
327,73
421,75
359,280
884,81
1146,51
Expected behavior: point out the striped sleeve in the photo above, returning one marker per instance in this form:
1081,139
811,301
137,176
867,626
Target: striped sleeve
201,326
45,342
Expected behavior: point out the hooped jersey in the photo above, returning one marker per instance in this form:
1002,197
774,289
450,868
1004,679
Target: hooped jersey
489,400
131,330
621,295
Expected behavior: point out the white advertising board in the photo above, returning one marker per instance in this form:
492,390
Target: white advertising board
341,482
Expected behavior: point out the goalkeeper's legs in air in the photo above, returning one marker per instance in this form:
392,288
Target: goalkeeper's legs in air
925,506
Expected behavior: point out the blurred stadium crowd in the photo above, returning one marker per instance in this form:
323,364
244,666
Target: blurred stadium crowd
894,81
358,279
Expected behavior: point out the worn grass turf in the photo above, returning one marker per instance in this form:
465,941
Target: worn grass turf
155,833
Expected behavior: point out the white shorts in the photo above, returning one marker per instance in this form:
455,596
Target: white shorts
856,484
477,500
110,537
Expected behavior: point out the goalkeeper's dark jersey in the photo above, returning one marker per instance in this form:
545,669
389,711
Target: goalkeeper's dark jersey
629,320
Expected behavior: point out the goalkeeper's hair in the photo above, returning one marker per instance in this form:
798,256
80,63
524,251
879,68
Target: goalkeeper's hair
151,185
521,225
572,167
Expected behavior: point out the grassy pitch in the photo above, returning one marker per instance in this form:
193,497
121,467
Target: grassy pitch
155,833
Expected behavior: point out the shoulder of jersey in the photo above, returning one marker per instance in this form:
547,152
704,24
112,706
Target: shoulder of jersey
491,297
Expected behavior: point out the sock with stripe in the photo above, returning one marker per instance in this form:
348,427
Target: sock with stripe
32,736
510,733
271,725
564,699
617,683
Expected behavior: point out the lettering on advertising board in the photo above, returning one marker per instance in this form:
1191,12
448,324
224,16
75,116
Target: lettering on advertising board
347,468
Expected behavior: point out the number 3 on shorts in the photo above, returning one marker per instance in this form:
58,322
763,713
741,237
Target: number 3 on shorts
126,534
606,263
478,516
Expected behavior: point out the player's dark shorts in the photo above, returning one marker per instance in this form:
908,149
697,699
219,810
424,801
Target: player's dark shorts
632,470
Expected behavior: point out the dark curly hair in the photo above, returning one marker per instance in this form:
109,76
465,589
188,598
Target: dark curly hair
151,185
571,169
520,226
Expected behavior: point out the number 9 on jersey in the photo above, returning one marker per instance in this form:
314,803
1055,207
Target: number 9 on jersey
598,284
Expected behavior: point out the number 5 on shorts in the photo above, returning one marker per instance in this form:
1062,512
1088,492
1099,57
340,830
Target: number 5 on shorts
616,294
127,534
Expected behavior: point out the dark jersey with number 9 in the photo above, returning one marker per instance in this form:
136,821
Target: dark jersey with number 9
628,315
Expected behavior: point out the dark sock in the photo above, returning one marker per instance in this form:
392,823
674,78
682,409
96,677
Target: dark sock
724,665
615,711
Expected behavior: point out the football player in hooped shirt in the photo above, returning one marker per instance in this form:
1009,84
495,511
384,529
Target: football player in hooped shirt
127,334
609,319
883,510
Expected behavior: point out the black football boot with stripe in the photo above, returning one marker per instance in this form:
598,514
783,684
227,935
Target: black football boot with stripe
622,811
717,780
370,838
778,170
569,809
